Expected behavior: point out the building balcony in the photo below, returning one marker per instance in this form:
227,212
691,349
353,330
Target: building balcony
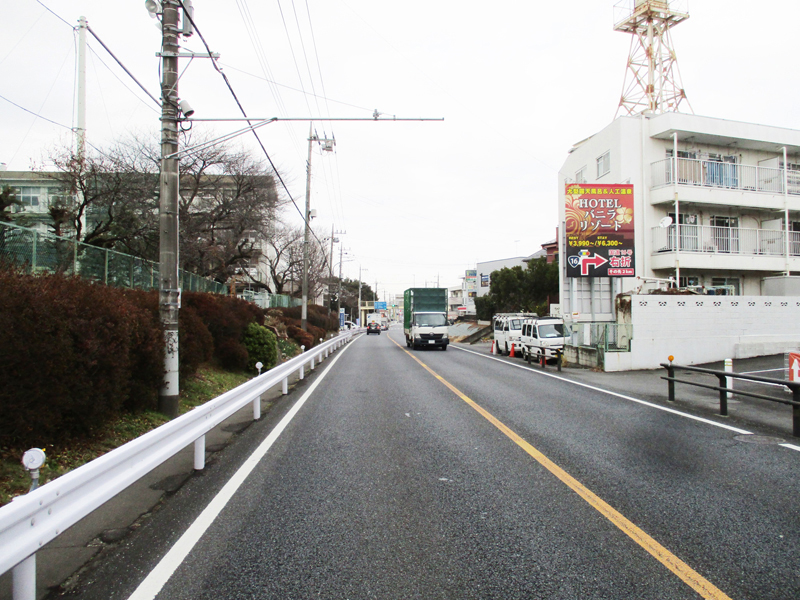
715,182
703,246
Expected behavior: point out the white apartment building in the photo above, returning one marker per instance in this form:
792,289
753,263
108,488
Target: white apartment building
716,206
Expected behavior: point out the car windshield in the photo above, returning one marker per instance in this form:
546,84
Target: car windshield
551,330
430,320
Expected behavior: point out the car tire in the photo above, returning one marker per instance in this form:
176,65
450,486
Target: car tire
444,347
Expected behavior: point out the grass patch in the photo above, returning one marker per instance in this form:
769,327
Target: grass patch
208,383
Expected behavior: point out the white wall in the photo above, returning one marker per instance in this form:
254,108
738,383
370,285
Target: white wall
700,329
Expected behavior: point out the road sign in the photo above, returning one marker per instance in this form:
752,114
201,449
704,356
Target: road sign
380,306
794,366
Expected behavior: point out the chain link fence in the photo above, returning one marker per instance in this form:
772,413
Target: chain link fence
610,337
38,252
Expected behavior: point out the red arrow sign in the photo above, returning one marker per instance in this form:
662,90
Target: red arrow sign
794,366
594,261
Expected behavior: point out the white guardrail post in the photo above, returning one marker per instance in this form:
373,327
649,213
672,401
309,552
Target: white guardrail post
31,521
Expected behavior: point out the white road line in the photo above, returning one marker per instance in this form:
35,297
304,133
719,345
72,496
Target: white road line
159,576
761,371
618,395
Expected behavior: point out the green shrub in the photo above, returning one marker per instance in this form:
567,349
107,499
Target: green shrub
289,348
303,338
196,345
231,355
226,319
262,346
68,356
318,316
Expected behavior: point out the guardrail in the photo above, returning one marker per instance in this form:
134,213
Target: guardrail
33,520
723,376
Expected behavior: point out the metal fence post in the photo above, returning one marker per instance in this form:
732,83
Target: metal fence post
670,383
796,411
24,579
200,453
728,380
33,251
723,396
256,408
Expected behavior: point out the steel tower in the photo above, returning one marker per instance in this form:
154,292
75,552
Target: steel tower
652,81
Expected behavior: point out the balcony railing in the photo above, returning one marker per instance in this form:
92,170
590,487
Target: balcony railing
725,240
733,176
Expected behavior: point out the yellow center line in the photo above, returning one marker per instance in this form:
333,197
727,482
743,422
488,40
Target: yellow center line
691,577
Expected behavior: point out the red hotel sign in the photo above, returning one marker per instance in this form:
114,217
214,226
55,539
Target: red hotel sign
599,230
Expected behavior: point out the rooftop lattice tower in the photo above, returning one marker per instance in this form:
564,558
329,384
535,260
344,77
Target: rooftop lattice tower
652,81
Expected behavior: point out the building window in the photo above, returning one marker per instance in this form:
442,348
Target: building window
725,285
580,176
692,281
603,164
29,196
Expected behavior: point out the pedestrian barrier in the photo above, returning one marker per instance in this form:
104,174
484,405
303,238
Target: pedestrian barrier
33,520
724,390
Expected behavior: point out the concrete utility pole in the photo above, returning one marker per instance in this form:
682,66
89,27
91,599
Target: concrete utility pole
168,283
330,272
327,145
80,130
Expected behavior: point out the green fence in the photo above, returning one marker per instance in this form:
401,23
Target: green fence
38,252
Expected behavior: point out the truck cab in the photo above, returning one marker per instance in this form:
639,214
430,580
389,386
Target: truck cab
425,322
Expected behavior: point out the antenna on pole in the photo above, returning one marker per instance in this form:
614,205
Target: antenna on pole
652,81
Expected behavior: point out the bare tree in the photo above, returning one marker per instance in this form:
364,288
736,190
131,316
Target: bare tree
111,199
285,261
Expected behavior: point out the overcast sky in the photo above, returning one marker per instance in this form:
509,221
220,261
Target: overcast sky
517,82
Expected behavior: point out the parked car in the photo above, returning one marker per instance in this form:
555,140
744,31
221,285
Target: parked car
373,327
508,331
544,335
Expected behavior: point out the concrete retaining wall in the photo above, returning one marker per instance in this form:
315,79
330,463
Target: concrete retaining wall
699,329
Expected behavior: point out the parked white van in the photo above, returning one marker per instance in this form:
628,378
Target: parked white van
543,335
508,331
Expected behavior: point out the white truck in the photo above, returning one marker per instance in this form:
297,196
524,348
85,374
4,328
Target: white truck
508,332
425,323
543,337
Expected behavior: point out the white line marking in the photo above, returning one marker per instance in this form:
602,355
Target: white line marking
158,577
618,395
762,371
790,447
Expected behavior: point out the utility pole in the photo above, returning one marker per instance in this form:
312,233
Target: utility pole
168,284
330,273
327,146
81,128
339,296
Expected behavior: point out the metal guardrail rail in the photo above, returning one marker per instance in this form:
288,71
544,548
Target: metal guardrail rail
33,520
723,376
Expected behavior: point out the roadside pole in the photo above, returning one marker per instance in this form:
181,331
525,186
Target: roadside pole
169,288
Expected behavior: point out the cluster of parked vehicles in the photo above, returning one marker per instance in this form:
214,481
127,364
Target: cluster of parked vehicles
529,336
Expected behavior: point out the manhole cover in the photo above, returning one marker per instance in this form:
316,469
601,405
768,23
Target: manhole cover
759,439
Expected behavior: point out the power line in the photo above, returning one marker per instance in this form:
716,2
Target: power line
188,15
294,89
35,114
124,68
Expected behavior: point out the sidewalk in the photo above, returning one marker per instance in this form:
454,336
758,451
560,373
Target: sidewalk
753,414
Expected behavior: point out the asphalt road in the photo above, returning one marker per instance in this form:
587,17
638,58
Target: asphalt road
455,475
